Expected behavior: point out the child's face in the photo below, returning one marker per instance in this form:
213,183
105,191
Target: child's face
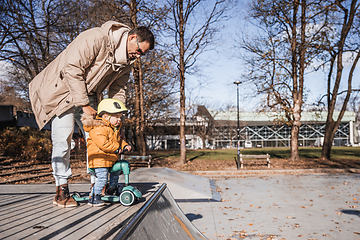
115,119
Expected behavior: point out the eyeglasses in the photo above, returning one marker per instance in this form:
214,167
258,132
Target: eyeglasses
139,50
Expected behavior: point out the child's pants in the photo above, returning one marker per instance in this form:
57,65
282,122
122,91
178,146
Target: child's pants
101,178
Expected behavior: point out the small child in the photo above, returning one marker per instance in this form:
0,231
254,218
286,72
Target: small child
103,145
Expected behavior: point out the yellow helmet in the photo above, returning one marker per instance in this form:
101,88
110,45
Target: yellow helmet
111,105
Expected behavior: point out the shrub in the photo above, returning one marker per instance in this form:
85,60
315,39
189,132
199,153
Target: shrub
26,143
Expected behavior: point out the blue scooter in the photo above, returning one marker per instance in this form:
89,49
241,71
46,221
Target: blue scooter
128,195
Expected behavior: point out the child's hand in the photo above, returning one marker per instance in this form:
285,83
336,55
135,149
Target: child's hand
127,148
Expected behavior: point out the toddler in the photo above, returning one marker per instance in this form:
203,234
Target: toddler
103,146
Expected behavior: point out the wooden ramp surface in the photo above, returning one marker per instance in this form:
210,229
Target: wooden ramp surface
27,212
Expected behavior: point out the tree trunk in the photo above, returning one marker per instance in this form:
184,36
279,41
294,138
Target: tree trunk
139,98
139,109
295,128
331,125
297,98
136,105
294,143
203,139
142,137
327,144
182,159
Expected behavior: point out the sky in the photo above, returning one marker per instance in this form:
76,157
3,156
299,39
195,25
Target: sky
214,87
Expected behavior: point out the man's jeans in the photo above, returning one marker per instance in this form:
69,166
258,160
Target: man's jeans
101,180
62,128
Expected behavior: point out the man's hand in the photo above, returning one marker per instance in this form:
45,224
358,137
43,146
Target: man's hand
88,110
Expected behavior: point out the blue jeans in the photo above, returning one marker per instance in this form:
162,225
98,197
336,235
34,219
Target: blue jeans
101,178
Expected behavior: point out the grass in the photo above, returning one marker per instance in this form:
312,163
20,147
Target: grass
281,153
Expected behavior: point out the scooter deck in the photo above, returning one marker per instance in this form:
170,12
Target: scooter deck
103,198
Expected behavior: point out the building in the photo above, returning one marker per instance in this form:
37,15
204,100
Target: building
218,129
266,129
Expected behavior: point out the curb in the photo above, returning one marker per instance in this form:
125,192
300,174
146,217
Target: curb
242,173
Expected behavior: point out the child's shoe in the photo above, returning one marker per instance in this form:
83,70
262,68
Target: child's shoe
95,201
112,190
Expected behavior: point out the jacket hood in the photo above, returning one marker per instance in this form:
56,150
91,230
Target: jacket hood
109,24
89,122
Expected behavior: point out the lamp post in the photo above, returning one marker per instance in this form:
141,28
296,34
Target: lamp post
238,125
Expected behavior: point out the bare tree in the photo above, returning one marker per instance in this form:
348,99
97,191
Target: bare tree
193,30
33,33
149,14
278,58
203,124
347,13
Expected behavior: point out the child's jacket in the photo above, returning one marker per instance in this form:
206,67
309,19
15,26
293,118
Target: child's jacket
102,143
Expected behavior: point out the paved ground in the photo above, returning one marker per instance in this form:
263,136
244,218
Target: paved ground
263,206
281,206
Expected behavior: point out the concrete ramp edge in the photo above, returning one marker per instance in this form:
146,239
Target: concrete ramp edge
160,218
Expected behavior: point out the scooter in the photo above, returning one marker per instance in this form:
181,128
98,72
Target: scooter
128,195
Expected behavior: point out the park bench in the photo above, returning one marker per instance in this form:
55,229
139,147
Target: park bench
138,161
255,159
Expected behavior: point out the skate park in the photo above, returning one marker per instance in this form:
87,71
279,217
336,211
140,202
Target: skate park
278,80
260,204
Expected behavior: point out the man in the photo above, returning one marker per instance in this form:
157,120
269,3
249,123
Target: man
98,59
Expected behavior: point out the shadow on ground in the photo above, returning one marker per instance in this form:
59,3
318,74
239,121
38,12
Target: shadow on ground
192,216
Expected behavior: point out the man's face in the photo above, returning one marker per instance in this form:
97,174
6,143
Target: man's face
135,48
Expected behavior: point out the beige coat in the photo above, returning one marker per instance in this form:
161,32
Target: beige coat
84,68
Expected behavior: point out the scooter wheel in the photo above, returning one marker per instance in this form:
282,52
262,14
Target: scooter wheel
76,194
127,198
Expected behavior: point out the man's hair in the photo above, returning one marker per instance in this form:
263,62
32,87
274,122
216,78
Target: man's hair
145,35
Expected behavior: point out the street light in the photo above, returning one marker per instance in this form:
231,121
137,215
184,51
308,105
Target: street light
238,125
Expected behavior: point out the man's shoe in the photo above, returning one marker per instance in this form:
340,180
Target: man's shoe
63,198
56,195
95,201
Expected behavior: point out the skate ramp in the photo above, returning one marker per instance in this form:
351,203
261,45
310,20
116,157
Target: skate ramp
160,218
28,213
183,186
